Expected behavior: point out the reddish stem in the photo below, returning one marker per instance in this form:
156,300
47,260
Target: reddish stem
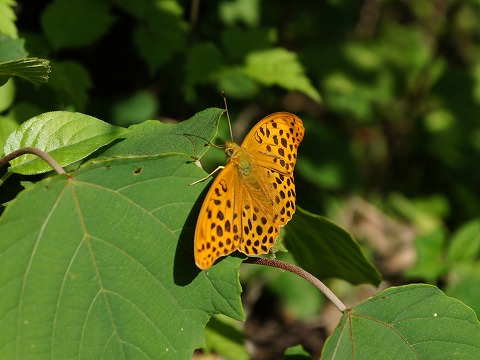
31,150
302,273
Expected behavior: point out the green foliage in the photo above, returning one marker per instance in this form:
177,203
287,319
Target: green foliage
325,250
81,22
376,329
67,137
389,93
75,247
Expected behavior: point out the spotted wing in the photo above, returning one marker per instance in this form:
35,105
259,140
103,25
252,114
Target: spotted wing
273,142
218,226
258,228
272,145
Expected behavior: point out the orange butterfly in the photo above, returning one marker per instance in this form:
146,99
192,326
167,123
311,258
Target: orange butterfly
254,194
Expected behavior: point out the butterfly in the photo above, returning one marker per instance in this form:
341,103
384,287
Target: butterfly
253,195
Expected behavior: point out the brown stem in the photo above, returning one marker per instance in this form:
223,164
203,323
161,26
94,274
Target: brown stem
302,273
31,150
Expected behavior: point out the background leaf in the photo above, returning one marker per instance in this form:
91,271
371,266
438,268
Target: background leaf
326,250
408,322
71,82
71,23
66,136
280,67
7,19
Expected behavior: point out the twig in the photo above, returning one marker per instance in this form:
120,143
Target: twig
31,150
302,273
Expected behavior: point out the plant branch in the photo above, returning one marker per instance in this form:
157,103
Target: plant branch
302,273
31,150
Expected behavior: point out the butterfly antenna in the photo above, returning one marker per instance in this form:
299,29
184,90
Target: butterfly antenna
228,116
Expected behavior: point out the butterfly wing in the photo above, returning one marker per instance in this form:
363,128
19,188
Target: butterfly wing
253,195
273,145
258,230
269,196
218,226
273,142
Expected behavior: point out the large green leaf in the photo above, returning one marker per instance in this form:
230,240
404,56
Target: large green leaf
153,137
326,250
407,322
99,264
66,136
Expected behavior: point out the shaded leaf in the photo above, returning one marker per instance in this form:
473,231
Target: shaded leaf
225,338
71,81
153,137
159,36
326,250
73,23
465,243
11,48
430,264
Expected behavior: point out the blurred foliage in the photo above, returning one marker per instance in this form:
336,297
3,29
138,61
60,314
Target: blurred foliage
397,123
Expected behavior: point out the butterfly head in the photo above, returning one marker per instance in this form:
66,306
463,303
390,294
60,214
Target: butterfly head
231,149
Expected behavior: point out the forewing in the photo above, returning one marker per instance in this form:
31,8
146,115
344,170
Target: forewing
218,224
272,145
274,141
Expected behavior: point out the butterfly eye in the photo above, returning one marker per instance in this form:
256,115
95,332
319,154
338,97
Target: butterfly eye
229,152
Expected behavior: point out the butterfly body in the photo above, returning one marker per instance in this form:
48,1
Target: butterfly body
254,194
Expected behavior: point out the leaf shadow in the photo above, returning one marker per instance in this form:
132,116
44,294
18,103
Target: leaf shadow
184,268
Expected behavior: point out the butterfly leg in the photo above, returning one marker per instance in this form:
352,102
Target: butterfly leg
206,177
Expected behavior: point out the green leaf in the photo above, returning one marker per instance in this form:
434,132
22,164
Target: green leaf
138,107
160,35
31,69
7,18
247,11
296,353
66,136
237,84
71,81
99,264
326,250
463,284
7,126
297,296
204,66
407,322
280,67
11,49
430,264
238,42
153,137
204,63
225,338
465,243
74,23
7,95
